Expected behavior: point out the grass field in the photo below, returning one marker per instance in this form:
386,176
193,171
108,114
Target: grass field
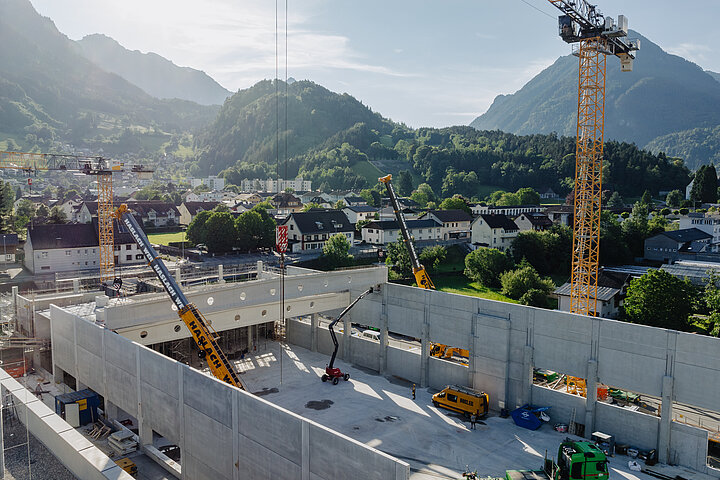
460,284
166,238
454,261
367,170
485,190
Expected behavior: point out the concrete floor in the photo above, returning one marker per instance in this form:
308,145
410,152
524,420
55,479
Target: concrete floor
380,412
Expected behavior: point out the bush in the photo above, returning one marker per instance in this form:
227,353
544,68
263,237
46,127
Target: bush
517,283
535,298
485,265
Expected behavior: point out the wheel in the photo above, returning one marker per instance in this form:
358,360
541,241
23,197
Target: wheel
335,380
324,378
436,404
346,377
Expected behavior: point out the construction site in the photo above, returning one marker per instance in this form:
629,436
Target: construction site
277,371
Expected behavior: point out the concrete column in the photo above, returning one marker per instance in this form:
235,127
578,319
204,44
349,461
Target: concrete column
591,400
181,419
144,429
505,401
666,413
527,379
313,331
259,268
2,434
15,292
111,410
425,344
305,451
474,350
76,285
221,276
383,333
178,276
347,328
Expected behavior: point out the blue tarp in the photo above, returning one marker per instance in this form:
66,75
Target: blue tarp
527,416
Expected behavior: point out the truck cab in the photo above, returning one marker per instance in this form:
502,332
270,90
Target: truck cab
462,400
581,460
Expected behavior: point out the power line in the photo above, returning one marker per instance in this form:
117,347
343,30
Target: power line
536,8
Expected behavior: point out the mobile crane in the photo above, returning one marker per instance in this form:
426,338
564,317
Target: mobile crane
205,338
421,276
332,373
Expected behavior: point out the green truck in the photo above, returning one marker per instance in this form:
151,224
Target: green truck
575,461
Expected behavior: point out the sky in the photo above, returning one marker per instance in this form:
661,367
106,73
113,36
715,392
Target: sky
421,63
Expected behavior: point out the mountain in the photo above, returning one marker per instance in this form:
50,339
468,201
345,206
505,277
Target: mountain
664,94
245,129
715,75
48,91
698,146
154,74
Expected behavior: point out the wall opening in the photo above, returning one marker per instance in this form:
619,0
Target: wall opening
713,458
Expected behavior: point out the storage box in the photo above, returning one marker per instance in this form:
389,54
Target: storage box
87,401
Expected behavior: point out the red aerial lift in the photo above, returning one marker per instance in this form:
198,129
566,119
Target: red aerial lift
332,373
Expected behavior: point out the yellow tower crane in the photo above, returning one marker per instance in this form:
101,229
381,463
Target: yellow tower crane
597,36
102,169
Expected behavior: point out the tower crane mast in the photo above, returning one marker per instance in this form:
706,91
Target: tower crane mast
598,36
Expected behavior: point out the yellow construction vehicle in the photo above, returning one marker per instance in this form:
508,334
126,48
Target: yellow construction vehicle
443,351
205,338
127,465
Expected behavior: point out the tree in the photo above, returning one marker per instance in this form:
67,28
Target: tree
339,205
404,183
432,257
309,206
516,283
57,216
196,232
660,300
267,234
221,207
647,198
674,199
335,251
398,256
371,196
455,202
485,265
528,196
615,201
42,211
249,228
635,229
704,189
220,232
711,299
423,194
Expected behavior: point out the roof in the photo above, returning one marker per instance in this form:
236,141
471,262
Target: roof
560,209
285,199
393,224
355,199
604,294
194,207
685,235
320,220
451,215
538,219
121,236
361,208
67,235
143,208
498,221
9,239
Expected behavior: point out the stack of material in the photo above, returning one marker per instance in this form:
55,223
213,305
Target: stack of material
122,442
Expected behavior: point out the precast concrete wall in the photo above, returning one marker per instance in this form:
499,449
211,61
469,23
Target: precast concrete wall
365,352
223,432
444,372
298,333
562,404
689,444
633,428
403,363
70,447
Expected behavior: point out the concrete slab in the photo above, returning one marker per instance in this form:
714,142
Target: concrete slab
381,413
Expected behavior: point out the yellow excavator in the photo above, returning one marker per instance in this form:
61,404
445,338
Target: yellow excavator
421,276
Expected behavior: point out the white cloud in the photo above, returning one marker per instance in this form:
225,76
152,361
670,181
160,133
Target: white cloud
694,52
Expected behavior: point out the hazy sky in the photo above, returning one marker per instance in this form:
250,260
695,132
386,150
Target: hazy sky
422,63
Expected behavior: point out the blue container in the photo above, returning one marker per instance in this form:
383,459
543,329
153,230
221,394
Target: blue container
527,416
88,403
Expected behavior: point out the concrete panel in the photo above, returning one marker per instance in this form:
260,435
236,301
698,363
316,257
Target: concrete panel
161,375
347,455
88,371
404,363
258,461
298,333
198,470
636,372
63,351
160,411
561,403
208,396
89,338
688,446
367,311
277,430
119,352
697,357
212,443
449,329
444,372
632,428
121,388
325,344
62,323
365,352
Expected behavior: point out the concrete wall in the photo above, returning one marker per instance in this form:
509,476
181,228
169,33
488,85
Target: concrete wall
633,428
689,444
70,447
223,432
562,404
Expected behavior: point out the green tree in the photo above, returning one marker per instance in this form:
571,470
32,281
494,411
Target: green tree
711,300
221,207
42,211
660,300
372,197
196,232
455,202
432,257
674,199
423,194
220,233
615,201
267,234
528,196
704,189
339,205
486,265
647,198
404,183
613,249
535,297
515,283
399,258
309,206
249,228
335,251
635,229
57,216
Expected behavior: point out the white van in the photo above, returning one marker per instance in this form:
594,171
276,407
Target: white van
371,335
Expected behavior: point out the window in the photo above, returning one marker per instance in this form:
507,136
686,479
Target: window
85,263
292,227
139,256
46,267
128,247
93,250
44,255
128,257
451,397
68,253
86,252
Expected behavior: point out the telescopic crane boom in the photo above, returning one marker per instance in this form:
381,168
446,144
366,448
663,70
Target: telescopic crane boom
204,338
421,276
598,36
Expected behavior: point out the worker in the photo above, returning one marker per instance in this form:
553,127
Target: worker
413,391
473,420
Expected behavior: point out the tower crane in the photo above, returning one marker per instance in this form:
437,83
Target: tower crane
97,166
598,36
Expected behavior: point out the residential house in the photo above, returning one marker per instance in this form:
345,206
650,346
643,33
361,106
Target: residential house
536,221
273,185
252,198
215,184
210,196
705,222
388,213
455,224
358,213
495,231
308,231
509,210
611,292
382,232
403,202
188,210
286,203
354,201
549,194
10,243
561,214
666,247
154,213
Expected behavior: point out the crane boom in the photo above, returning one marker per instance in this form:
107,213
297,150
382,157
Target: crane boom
204,338
421,275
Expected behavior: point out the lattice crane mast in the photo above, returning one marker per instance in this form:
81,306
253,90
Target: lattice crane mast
598,36
100,167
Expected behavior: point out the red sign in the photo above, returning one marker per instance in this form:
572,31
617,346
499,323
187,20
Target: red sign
29,181
281,238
